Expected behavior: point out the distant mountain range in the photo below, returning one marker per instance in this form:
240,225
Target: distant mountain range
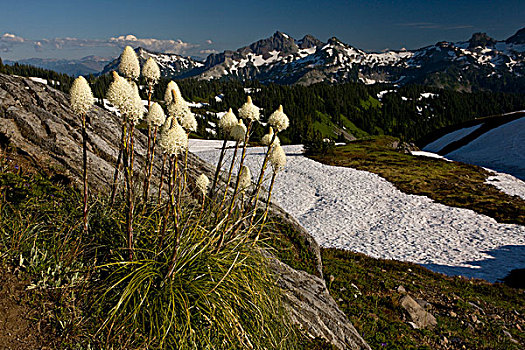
481,63
74,67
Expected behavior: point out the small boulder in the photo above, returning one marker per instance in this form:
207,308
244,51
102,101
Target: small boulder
420,317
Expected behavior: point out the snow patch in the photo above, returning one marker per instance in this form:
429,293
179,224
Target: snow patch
360,211
447,139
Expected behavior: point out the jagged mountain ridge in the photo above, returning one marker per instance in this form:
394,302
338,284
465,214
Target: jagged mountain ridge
477,63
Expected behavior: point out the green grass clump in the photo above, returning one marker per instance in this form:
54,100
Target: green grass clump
451,183
471,314
215,299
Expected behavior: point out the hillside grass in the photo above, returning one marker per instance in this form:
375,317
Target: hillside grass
450,183
81,290
471,314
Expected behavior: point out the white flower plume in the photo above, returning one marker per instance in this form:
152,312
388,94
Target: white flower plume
138,107
238,132
156,116
266,139
163,138
129,64
249,110
277,158
228,121
179,109
81,97
168,95
189,123
245,180
174,141
279,120
121,95
202,184
151,71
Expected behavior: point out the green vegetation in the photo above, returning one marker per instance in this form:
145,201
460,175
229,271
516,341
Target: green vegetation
471,314
219,298
451,183
317,111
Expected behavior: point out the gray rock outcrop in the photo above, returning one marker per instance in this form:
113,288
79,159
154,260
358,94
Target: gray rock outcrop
420,317
36,121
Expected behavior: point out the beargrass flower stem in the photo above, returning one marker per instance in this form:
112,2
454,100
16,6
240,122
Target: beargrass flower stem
243,156
219,165
149,161
81,100
114,185
258,186
170,204
229,176
130,192
84,165
163,166
265,215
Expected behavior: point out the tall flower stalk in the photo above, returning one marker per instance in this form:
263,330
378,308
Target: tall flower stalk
151,72
124,95
155,118
238,133
278,162
250,112
226,123
133,119
81,99
278,121
129,67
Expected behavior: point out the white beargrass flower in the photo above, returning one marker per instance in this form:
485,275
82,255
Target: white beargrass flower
277,158
174,141
81,97
202,184
151,71
168,95
266,139
163,133
189,123
249,110
178,108
238,132
245,180
227,122
121,95
156,116
129,64
279,120
138,107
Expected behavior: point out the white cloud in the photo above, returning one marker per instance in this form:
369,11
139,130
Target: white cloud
207,52
167,46
8,41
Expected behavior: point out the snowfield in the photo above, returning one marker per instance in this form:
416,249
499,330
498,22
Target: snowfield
447,139
501,149
360,211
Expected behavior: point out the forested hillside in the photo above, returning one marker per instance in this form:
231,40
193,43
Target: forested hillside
324,110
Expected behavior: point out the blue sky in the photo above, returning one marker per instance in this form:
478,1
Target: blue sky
73,29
